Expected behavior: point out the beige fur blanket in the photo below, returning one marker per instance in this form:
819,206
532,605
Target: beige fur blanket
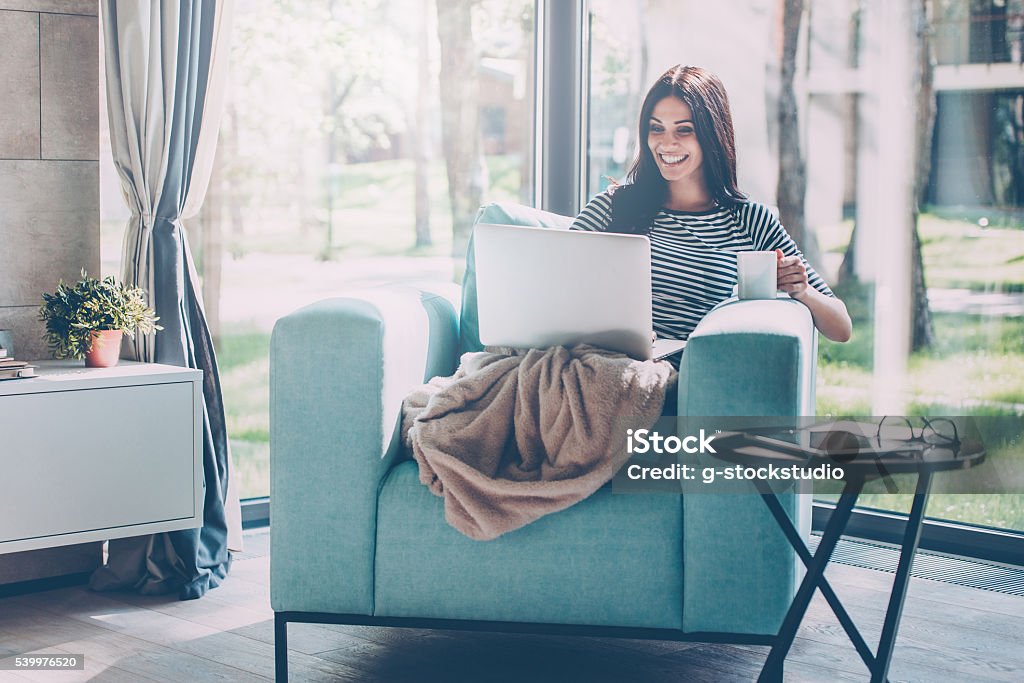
516,435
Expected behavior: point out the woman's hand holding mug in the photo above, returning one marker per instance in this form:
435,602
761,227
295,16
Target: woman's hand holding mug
791,274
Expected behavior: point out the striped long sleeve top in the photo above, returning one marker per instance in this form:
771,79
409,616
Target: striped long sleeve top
693,257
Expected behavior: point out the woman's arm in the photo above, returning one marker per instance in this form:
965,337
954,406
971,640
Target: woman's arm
829,313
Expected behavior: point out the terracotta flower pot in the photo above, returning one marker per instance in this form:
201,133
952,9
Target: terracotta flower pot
106,348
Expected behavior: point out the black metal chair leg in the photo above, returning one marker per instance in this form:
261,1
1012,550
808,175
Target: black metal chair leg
280,648
911,539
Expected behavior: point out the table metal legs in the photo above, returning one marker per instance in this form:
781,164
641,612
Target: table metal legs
911,539
878,663
772,670
826,588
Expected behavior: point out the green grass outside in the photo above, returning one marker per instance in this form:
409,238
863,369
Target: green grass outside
976,360
981,259
958,254
975,368
244,362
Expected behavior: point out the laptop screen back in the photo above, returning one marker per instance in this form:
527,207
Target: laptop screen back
541,287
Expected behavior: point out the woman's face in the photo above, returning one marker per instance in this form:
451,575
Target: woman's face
673,141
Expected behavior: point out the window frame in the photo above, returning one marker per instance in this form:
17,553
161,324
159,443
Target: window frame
562,39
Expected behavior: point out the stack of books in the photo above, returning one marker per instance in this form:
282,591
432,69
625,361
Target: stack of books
14,369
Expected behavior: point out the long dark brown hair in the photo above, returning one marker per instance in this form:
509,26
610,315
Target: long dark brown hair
635,203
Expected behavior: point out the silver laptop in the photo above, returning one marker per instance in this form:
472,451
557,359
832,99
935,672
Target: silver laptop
541,287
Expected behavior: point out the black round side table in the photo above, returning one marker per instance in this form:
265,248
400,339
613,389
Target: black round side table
862,460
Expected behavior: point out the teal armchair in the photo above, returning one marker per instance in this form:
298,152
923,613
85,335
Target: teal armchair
356,539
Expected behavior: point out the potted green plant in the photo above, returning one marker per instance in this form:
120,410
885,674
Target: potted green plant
87,319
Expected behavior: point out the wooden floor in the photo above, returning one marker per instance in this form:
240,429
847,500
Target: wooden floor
949,633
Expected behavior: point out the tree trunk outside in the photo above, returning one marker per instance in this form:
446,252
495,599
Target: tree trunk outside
421,126
460,119
922,329
923,332
636,93
331,107
233,230
792,184
327,251
848,268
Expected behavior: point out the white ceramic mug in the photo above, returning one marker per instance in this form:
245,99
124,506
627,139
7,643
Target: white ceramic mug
757,274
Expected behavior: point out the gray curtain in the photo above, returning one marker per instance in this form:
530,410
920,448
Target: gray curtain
165,69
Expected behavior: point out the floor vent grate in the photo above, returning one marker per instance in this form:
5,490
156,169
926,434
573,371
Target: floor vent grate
962,571
256,542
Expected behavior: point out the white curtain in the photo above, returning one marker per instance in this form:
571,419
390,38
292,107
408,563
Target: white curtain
166,68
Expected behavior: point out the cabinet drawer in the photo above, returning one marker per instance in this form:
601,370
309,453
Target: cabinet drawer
89,460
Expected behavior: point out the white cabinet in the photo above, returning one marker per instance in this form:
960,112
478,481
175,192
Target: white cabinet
90,454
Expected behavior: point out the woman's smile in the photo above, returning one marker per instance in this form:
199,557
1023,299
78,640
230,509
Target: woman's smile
672,159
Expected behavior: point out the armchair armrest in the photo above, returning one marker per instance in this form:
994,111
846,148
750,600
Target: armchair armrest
751,357
745,359
339,370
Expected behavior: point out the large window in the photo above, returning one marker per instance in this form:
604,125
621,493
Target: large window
979,31
967,358
344,123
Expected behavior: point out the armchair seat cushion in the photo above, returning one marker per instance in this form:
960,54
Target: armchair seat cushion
610,560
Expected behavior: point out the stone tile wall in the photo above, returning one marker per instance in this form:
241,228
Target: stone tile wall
49,190
49,151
